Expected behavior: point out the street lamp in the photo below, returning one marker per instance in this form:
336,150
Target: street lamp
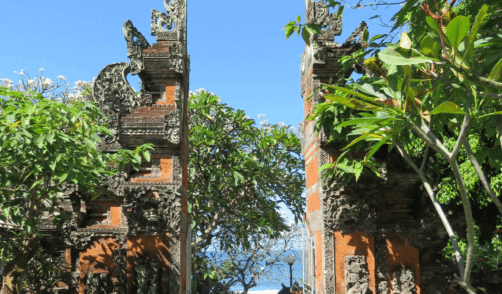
290,259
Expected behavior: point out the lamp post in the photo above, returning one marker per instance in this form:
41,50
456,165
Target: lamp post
290,259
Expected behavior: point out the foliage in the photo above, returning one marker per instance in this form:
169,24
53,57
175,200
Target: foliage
224,269
46,144
238,175
430,83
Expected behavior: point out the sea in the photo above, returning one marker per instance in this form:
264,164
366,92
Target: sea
274,286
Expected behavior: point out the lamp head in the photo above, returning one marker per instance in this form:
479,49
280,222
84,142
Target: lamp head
290,259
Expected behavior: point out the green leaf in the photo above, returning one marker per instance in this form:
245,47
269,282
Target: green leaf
352,102
490,114
62,178
394,56
298,19
495,74
429,47
457,29
475,27
339,12
433,24
375,148
358,168
447,107
378,37
289,31
146,155
362,137
305,36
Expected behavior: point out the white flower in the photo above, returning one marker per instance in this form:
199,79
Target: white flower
261,116
46,82
21,72
247,117
262,268
293,129
61,78
281,124
267,129
41,69
263,122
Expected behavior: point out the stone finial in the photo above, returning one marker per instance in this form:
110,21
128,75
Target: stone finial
136,42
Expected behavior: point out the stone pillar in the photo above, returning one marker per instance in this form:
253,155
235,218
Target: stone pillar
134,240
349,238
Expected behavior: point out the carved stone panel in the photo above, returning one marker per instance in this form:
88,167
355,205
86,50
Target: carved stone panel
98,283
331,26
356,275
119,273
136,42
403,281
152,214
147,280
172,127
176,57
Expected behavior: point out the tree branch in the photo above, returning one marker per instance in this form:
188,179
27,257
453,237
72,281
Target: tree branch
461,137
437,206
482,176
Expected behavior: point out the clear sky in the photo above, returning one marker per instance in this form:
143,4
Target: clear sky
238,48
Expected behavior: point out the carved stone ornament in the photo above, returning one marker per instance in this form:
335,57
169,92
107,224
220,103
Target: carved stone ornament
357,37
97,283
176,57
119,273
349,208
159,20
356,275
152,214
116,98
403,281
331,26
172,127
136,42
147,275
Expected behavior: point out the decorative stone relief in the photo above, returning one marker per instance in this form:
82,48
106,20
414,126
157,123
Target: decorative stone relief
350,208
172,127
381,266
331,26
403,281
356,275
176,57
159,20
149,215
97,283
147,276
136,42
120,266
357,35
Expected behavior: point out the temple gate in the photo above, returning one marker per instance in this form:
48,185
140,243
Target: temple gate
137,240
368,237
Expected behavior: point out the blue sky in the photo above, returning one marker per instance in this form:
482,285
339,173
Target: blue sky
238,48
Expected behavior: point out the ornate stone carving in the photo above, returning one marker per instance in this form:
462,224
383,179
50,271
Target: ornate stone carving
172,127
356,275
159,20
357,35
331,26
150,215
403,281
147,275
97,283
352,207
136,42
120,266
176,57
383,288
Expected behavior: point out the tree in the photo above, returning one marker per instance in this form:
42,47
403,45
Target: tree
238,174
246,267
46,145
430,83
